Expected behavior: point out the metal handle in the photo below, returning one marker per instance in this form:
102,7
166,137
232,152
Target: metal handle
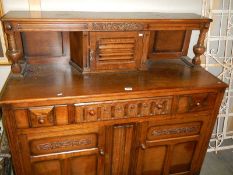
8,26
101,152
198,104
140,34
91,54
143,146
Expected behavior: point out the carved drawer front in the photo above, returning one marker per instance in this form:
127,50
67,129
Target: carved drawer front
171,131
196,102
62,144
41,116
115,50
100,111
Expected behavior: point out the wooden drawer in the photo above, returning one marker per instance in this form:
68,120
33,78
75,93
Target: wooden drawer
122,109
196,102
43,116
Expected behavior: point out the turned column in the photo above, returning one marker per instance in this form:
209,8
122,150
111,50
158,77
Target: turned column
199,48
12,53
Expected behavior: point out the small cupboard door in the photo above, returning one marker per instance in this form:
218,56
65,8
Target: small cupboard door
120,146
168,149
115,50
69,152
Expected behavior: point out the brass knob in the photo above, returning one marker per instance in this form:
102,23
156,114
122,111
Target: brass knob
102,152
8,27
41,120
92,54
143,146
198,104
92,112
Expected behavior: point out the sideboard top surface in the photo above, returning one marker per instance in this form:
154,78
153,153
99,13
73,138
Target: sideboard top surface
95,16
46,82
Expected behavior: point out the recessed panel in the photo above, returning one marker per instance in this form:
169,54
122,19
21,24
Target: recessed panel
64,143
48,167
169,44
42,44
182,157
171,131
153,160
84,165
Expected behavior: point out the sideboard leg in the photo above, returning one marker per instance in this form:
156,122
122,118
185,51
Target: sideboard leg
199,48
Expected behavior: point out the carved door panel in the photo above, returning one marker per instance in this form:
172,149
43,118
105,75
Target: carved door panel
168,149
67,152
115,50
120,146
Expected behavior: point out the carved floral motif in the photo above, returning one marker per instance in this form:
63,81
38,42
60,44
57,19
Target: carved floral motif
63,144
169,131
139,108
117,26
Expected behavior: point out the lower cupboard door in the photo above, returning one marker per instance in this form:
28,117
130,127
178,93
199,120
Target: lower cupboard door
77,165
168,158
69,152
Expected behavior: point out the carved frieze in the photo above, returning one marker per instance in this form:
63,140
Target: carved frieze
63,144
119,111
176,131
135,108
132,110
112,26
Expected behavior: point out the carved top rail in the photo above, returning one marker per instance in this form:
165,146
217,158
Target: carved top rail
101,21
20,21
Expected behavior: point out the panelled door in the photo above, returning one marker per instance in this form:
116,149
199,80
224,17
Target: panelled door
169,148
70,152
115,50
120,147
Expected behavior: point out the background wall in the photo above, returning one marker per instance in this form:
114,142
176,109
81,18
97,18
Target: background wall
4,72
109,5
188,6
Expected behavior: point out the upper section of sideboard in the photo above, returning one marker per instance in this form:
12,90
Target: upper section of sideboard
17,22
102,21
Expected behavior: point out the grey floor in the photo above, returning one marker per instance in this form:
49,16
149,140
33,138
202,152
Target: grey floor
218,164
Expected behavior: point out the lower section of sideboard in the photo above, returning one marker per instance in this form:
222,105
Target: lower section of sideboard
157,135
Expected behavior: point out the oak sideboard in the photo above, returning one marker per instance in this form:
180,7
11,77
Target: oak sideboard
109,93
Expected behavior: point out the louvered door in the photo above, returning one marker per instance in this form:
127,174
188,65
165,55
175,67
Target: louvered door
115,50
